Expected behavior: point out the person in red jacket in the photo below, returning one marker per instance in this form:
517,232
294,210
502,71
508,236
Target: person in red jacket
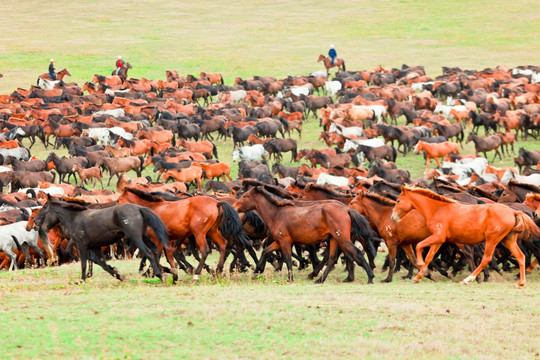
119,64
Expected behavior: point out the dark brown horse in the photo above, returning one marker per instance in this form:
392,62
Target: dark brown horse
339,63
486,144
306,225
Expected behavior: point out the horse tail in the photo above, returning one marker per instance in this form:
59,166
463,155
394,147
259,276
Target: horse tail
221,78
231,226
204,175
284,122
41,134
18,244
343,64
214,151
394,154
355,160
525,226
361,231
152,220
141,158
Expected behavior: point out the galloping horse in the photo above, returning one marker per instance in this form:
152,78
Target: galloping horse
306,225
198,216
91,229
339,63
436,151
449,221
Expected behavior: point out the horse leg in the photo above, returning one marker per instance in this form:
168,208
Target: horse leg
39,252
205,250
428,160
13,258
511,244
488,254
287,255
97,257
392,250
332,255
350,250
274,246
429,257
83,254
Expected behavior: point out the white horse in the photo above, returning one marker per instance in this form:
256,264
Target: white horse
445,109
346,131
319,73
326,179
121,132
533,179
20,153
535,78
25,239
249,153
421,86
112,112
47,84
353,144
332,87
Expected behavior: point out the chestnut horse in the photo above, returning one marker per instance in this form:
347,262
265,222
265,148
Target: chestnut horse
449,221
308,224
436,151
59,75
339,63
198,216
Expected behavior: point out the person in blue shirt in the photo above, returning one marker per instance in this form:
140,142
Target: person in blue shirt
52,73
332,53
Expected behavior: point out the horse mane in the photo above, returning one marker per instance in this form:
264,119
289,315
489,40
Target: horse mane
274,199
483,193
153,196
129,143
251,217
378,198
275,190
70,203
325,189
430,194
391,185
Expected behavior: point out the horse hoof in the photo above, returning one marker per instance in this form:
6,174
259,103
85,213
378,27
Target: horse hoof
318,281
386,281
348,280
519,284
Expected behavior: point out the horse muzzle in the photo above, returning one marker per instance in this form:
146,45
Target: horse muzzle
395,217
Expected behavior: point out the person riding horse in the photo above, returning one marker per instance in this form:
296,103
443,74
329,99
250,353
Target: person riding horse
332,54
119,64
52,74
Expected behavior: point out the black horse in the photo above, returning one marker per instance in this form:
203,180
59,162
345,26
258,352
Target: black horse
240,134
91,229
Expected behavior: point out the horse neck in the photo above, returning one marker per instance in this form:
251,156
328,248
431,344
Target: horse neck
266,210
378,213
425,205
66,219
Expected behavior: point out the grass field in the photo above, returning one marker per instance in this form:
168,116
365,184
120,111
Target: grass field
47,316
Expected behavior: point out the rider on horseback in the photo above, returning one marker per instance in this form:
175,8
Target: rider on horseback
332,53
119,64
52,74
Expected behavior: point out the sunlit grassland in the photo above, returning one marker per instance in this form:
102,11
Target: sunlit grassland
47,316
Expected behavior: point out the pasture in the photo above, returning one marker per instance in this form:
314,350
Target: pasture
240,316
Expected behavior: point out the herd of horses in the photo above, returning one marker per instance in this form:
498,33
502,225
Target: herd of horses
343,200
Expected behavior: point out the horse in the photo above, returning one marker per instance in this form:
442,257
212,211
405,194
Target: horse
90,173
64,166
207,148
485,144
240,134
216,170
307,224
249,153
339,63
118,166
450,221
435,151
59,75
123,72
15,236
186,175
277,146
410,230
328,161
198,216
91,229
385,152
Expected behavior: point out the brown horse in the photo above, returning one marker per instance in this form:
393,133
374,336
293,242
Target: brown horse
118,166
198,216
436,151
93,173
160,136
339,63
204,147
485,144
186,175
411,230
306,225
216,170
449,221
59,75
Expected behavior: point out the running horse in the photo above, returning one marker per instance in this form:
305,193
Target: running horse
198,216
91,229
450,221
308,224
339,63
436,151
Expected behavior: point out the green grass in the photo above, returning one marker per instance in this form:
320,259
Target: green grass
47,316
